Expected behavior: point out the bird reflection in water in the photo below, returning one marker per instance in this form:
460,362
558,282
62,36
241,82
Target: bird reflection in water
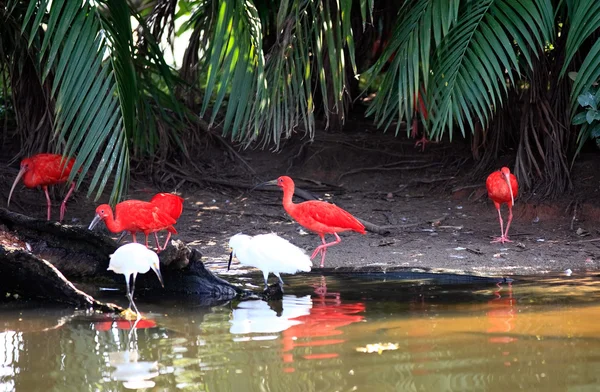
502,314
128,368
302,322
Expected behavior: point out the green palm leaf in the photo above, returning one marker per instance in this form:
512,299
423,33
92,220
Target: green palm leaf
94,98
266,96
462,52
478,54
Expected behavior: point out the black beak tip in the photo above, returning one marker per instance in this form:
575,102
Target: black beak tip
230,258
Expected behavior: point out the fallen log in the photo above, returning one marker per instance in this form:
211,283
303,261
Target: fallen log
39,258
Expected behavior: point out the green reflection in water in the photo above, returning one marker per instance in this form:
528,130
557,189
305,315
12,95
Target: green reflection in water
327,334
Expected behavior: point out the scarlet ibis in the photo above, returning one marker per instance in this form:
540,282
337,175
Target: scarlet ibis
43,170
502,187
132,259
318,216
268,253
172,205
134,216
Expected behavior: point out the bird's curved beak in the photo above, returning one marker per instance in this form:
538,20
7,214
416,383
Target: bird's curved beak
95,221
21,172
156,269
507,179
272,182
230,258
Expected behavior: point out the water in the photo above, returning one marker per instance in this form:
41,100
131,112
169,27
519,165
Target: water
361,333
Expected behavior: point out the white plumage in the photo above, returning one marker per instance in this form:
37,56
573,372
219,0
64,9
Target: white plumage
132,259
269,253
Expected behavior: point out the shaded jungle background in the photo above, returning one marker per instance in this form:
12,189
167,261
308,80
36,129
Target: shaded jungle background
152,87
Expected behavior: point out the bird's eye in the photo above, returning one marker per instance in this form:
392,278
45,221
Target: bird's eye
102,211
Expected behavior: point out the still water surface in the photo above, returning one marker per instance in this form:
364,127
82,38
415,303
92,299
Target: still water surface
360,333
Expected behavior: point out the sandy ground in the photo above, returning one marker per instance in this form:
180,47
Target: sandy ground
437,217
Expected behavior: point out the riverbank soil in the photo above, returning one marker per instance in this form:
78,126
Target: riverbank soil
432,209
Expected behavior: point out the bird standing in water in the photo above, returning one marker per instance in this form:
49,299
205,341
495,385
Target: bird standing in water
172,205
132,259
134,216
502,187
43,170
268,253
318,216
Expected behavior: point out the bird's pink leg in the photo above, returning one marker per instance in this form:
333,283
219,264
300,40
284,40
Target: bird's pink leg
133,235
157,243
502,239
510,217
167,241
320,249
146,235
63,205
323,248
45,188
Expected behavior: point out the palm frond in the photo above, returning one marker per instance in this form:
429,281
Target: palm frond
585,21
480,55
95,100
268,94
459,55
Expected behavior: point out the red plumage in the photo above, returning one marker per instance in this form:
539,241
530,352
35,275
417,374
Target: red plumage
170,204
43,170
318,216
502,187
134,216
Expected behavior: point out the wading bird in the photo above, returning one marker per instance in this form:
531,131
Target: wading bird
503,188
132,259
268,253
43,170
318,216
134,216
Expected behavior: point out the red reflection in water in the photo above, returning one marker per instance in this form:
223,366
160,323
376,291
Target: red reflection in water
124,324
327,315
502,315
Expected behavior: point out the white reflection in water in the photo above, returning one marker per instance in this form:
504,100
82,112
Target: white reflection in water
259,317
10,344
134,373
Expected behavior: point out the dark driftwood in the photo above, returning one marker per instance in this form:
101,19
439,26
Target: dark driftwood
83,256
28,276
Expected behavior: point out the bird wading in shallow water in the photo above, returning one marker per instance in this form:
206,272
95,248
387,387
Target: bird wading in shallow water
268,253
43,170
132,259
318,216
502,187
134,216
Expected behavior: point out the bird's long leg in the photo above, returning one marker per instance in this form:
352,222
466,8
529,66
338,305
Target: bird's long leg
266,276
146,235
167,241
131,295
63,205
45,188
502,239
157,243
323,248
128,295
133,236
510,216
